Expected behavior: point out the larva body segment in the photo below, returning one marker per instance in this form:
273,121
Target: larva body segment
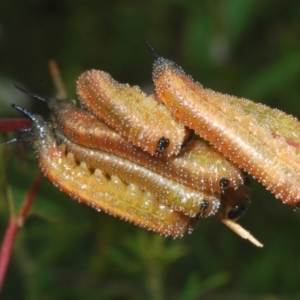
235,129
276,129
177,196
142,120
205,167
198,165
109,194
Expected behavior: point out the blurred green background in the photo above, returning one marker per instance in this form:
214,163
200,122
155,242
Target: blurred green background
68,251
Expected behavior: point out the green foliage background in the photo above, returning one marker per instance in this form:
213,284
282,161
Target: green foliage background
68,251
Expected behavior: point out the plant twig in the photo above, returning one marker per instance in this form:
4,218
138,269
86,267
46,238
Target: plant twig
57,80
13,227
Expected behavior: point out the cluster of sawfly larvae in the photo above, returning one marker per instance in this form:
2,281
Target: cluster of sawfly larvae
162,162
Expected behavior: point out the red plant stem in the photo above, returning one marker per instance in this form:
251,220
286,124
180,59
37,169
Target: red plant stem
8,241
57,80
29,199
8,125
13,227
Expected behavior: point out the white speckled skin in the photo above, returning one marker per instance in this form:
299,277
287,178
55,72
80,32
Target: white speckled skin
141,119
263,141
198,165
107,193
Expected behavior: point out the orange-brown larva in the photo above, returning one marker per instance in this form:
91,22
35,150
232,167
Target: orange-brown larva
198,165
169,192
240,129
93,187
151,127
72,168
183,187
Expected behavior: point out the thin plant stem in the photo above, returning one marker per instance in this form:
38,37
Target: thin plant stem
15,223
57,80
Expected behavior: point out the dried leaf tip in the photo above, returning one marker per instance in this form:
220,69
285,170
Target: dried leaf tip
239,230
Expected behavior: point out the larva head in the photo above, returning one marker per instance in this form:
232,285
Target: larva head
205,209
235,202
208,208
37,133
162,144
224,183
236,211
